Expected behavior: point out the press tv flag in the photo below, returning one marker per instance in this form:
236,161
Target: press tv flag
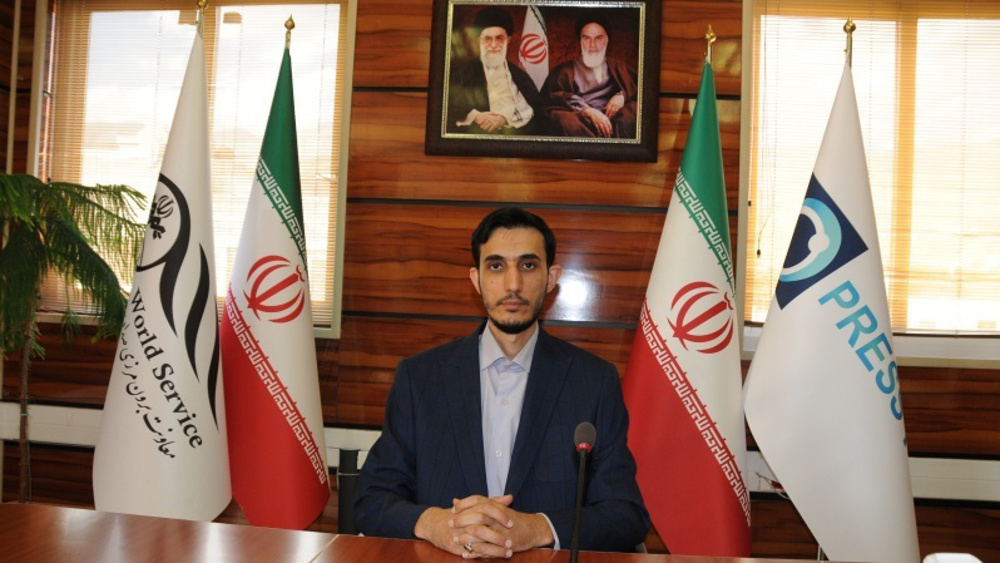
822,396
683,382
161,449
534,50
276,446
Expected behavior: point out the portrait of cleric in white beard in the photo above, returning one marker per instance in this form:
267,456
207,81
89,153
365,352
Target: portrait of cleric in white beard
489,93
593,94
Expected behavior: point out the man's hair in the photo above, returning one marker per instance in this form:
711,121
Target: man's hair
513,218
593,16
493,16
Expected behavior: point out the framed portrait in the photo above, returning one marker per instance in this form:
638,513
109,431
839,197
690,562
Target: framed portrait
566,79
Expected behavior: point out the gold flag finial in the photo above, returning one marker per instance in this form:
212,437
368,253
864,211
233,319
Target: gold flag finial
202,6
849,28
289,26
709,39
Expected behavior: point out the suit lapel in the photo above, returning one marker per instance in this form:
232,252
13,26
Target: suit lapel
466,413
545,382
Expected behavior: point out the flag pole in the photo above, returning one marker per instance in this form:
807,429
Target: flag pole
849,28
202,6
289,26
709,39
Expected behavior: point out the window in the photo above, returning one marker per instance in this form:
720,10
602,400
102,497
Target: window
117,72
926,76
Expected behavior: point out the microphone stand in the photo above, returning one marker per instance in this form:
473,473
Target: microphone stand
574,548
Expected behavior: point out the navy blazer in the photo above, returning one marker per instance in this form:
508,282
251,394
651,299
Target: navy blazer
431,447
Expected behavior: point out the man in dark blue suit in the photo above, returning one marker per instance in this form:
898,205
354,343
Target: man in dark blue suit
476,453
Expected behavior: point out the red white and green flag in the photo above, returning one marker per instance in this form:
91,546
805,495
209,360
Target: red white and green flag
683,385
276,448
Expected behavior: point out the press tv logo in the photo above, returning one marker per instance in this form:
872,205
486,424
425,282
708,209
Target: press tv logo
823,241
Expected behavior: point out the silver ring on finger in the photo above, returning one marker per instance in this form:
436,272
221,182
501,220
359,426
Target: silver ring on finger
468,547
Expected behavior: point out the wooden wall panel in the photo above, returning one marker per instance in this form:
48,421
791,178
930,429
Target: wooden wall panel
388,161
393,44
682,45
415,259
778,530
74,374
951,411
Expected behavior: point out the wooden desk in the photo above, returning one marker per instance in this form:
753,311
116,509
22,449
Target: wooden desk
355,549
38,533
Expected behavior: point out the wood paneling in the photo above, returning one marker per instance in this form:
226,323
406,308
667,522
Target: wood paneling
778,530
951,411
415,259
388,161
74,374
682,45
393,44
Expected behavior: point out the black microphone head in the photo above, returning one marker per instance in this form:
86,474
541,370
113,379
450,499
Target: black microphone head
584,436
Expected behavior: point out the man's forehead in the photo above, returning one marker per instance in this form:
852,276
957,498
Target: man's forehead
514,243
495,31
593,29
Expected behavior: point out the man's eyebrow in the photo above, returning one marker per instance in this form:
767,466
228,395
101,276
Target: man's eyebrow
527,256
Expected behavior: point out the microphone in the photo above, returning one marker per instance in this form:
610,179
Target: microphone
583,437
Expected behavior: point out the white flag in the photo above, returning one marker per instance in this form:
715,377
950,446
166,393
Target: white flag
534,50
822,395
162,449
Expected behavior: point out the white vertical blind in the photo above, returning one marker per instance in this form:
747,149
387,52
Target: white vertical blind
926,74
117,73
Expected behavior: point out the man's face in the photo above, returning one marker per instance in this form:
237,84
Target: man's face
493,46
593,44
513,279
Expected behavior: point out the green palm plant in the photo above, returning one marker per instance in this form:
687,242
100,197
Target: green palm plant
56,228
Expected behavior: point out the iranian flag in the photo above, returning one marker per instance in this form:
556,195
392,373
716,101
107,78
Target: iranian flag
682,385
276,447
161,450
534,50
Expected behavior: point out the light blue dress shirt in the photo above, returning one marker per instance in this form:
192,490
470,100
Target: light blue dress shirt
502,384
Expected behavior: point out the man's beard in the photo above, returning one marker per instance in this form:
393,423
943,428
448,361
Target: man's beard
493,60
593,60
514,327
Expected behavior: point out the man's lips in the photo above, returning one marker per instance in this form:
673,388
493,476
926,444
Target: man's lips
512,304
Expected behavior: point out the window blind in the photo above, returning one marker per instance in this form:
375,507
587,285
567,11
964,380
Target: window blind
116,74
926,75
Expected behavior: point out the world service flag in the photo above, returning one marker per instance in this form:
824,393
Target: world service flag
161,449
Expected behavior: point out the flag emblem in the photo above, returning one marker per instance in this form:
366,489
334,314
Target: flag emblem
162,208
702,315
277,289
534,48
823,241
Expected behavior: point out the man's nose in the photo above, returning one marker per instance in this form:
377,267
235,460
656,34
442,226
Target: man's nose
513,280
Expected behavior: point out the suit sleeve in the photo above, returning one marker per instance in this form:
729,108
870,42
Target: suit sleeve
386,505
614,517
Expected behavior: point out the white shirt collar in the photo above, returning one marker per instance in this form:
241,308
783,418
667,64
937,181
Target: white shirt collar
490,351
